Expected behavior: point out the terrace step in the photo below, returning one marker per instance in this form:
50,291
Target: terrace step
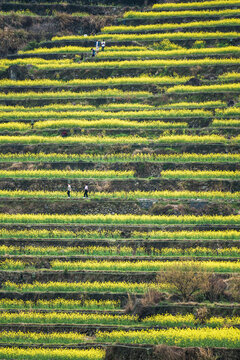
43,262
119,185
125,229
116,206
133,243
142,132
158,148
49,8
76,276
88,329
141,169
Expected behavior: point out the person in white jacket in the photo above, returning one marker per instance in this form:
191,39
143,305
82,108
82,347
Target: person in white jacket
85,191
69,189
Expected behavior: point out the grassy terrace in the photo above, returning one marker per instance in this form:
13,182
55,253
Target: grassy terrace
151,126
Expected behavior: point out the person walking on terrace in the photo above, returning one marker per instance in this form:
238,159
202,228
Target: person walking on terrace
85,191
103,45
69,189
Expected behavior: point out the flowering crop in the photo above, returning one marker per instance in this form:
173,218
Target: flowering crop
106,251
204,174
54,354
130,195
60,304
122,157
177,139
205,337
158,54
100,93
144,265
196,5
117,219
188,13
117,287
217,88
167,26
103,234
69,174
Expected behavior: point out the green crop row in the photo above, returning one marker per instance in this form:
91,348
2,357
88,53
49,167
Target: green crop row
152,15
105,251
168,26
9,353
143,79
151,37
66,174
166,320
78,49
121,157
60,304
100,114
118,219
129,64
59,108
142,265
217,88
87,286
102,124
205,337
231,111
196,4
100,93
130,195
165,54
104,234
226,123
204,174
179,139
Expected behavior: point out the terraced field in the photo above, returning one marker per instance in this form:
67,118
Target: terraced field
145,265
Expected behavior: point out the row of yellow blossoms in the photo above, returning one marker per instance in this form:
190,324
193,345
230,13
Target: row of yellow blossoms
200,35
180,14
114,106
116,219
42,64
125,80
166,26
179,158
144,265
166,320
205,337
88,124
166,54
10,353
196,4
217,88
128,266
87,286
108,124
79,49
99,93
60,304
67,174
38,234
130,195
100,114
117,251
202,337
199,174
164,139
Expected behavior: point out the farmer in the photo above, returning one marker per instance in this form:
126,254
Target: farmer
69,189
103,45
85,191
